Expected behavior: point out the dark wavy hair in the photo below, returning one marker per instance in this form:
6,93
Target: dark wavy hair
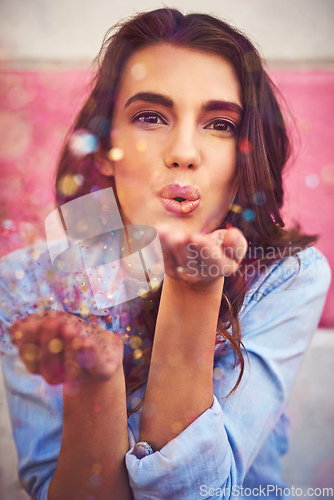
263,151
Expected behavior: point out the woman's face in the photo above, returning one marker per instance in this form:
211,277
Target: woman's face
175,121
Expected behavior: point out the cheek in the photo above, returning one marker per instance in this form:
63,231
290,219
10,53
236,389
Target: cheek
129,175
225,170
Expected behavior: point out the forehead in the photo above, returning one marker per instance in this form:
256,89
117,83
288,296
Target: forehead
179,72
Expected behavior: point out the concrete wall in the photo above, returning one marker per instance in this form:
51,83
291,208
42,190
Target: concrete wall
72,30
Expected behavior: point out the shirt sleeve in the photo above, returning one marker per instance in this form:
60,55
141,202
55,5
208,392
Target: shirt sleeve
35,407
216,450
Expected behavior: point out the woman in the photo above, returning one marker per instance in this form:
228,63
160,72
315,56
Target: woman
189,134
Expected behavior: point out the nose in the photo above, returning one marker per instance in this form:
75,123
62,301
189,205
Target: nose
182,150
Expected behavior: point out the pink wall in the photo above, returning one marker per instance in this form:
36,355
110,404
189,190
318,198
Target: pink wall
36,108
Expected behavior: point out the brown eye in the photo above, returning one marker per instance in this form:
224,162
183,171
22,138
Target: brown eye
149,118
223,126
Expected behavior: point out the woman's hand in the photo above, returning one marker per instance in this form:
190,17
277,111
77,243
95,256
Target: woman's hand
62,348
201,259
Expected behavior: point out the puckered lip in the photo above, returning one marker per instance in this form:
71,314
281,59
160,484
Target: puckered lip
172,191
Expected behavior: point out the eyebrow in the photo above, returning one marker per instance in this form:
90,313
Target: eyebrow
150,97
223,106
213,105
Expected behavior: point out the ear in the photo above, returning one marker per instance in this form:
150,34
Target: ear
104,164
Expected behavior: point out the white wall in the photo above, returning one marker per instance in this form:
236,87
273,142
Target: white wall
72,30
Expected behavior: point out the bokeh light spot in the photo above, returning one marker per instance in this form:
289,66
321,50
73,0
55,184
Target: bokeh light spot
245,146
82,143
15,135
55,346
141,146
327,173
138,71
136,342
68,185
259,198
116,154
312,181
236,208
30,352
217,373
248,214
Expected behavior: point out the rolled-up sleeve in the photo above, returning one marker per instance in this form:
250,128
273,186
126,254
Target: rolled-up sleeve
214,453
181,466
35,407
36,414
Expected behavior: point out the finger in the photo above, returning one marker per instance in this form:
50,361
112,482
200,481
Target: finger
21,329
234,244
109,349
199,252
63,338
170,261
25,336
52,361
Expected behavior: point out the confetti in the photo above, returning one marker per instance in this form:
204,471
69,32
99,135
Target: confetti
84,310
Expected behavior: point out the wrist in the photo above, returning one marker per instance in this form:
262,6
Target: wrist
202,289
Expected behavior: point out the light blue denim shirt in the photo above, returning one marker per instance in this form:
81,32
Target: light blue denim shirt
237,443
